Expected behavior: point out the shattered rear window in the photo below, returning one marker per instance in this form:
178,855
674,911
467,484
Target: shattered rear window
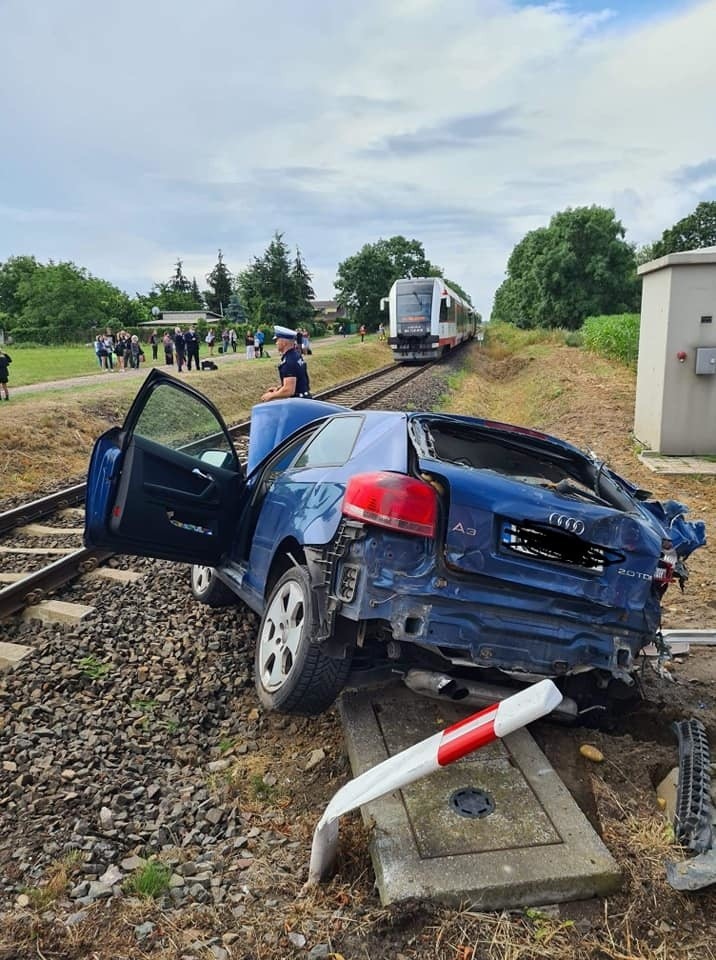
525,458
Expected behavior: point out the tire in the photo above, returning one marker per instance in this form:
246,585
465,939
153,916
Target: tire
208,589
291,673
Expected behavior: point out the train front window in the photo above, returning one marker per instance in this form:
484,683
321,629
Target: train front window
414,306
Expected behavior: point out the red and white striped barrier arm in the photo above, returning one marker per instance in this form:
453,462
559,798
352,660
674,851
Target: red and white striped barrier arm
425,757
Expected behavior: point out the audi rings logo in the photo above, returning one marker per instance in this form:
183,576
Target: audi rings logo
568,524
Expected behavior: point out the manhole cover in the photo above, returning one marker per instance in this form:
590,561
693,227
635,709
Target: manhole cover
472,802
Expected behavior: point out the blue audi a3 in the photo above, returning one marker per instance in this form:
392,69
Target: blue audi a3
368,539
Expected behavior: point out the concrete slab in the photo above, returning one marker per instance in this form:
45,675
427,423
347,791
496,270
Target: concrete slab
11,577
57,611
42,530
681,641
697,637
111,573
534,846
11,654
678,466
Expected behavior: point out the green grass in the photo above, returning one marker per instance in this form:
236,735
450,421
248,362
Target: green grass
33,364
150,880
262,790
93,668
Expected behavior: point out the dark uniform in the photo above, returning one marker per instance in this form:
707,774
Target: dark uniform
191,342
180,349
293,365
5,361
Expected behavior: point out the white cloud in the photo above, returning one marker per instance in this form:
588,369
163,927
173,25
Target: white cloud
150,131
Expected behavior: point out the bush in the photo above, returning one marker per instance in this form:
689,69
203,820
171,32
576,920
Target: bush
575,338
615,336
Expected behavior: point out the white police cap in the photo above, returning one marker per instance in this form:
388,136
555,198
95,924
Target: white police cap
284,332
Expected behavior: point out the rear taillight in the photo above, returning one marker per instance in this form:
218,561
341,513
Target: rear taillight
664,573
392,500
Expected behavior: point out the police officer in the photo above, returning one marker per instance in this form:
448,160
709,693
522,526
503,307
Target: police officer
191,343
292,369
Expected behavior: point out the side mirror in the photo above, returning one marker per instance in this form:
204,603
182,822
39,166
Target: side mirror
383,303
216,458
448,302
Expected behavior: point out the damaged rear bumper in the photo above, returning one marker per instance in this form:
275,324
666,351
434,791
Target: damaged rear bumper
477,621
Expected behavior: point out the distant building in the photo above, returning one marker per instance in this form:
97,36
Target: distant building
328,310
184,318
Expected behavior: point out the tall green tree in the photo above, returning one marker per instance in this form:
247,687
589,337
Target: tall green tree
63,302
366,277
578,266
196,294
219,280
235,310
274,290
303,291
13,272
696,230
179,283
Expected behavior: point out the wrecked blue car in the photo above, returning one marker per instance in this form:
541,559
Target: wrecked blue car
369,540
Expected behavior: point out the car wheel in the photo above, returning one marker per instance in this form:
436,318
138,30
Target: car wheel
208,589
292,674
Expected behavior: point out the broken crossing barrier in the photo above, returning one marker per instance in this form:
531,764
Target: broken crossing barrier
425,757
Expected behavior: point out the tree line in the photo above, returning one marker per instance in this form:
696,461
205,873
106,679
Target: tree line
579,265
62,302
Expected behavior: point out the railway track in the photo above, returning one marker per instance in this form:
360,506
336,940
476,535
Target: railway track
56,556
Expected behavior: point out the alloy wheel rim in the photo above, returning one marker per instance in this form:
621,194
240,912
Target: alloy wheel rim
281,635
201,577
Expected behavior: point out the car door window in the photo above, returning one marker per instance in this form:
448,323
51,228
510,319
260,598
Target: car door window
182,421
332,445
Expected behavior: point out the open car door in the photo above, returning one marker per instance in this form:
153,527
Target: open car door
169,483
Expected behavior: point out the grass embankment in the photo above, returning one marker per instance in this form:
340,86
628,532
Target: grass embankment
531,377
46,436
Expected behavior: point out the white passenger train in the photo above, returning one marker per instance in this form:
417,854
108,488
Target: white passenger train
427,318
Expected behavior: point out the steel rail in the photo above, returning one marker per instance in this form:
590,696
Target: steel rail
35,586
36,509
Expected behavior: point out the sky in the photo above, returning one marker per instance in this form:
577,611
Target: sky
137,133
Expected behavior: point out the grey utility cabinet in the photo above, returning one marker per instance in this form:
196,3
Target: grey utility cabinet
675,410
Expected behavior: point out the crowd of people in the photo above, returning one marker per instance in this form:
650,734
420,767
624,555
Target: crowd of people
181,347
123,347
